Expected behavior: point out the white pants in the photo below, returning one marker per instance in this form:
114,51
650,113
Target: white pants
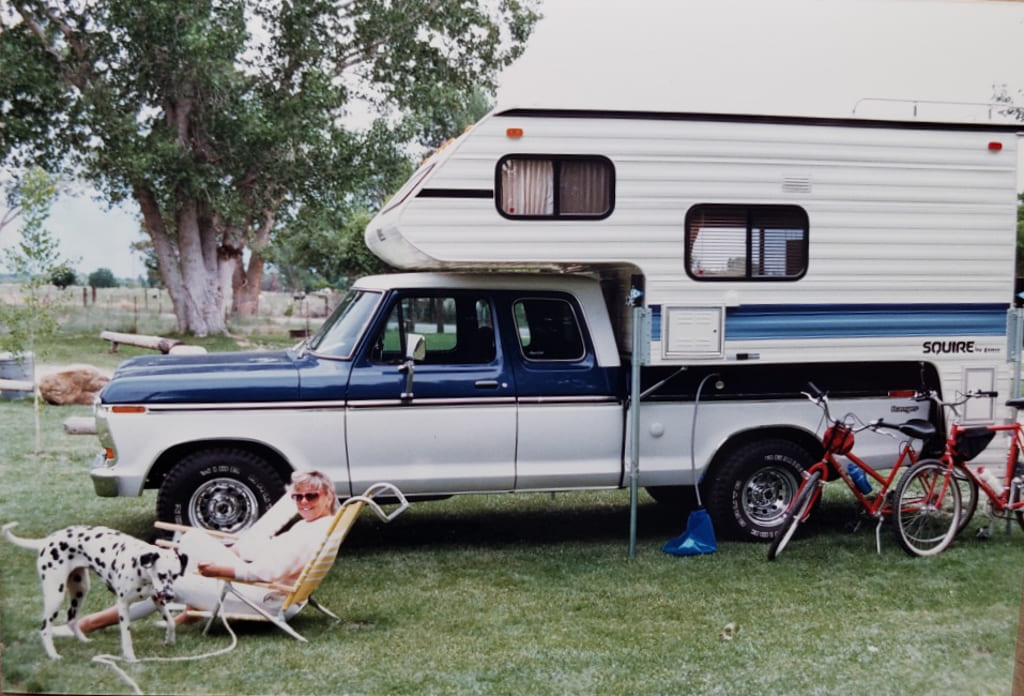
201,592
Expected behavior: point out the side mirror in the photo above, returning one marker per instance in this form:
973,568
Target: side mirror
415,349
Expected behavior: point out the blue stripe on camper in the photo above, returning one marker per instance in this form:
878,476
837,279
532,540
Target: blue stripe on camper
779,322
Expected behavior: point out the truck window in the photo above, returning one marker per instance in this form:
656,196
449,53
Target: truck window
548,330
339,334
568,187
458,329
753,242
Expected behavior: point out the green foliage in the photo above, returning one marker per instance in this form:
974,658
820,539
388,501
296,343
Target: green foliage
102,278
63,276
225,137
30,322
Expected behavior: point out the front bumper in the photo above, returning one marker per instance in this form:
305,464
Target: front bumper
110,483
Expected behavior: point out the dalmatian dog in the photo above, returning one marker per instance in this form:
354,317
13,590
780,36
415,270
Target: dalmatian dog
132,569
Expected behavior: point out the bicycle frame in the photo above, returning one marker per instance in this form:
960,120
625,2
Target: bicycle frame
877,505
1008,499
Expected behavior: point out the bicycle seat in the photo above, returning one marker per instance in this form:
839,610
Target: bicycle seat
917,428
1015,403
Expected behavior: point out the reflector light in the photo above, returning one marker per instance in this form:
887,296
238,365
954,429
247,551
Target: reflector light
128,409
995,146
901,394
514,132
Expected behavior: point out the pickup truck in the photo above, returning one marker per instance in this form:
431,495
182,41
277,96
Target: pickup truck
454,383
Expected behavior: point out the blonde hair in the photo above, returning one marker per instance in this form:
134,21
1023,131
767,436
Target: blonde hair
318,480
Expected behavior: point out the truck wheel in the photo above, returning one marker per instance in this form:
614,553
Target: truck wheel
222,488
749,493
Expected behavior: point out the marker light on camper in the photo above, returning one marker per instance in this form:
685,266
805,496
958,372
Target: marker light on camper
514,132
995,146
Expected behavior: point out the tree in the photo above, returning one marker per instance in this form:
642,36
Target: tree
63,276
28,324
102,278
225,121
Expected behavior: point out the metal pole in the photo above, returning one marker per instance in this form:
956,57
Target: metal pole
634,435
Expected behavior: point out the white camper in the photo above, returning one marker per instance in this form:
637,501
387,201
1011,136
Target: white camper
758,240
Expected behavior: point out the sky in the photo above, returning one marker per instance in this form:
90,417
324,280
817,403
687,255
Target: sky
789,57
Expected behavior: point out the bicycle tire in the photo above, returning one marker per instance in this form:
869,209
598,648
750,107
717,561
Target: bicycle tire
796,514
968,498
927,508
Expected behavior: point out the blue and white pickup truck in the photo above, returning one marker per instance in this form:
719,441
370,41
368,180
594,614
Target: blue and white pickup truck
446,383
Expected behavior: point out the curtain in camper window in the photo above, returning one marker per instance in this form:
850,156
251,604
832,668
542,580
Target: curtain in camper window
527,187
584,187
734,242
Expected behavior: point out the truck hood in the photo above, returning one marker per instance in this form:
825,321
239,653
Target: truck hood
252,376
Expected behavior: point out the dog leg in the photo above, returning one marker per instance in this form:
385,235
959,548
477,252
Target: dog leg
169,624
52,599
78,588
124,621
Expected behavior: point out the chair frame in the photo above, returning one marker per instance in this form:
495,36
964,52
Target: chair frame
301,592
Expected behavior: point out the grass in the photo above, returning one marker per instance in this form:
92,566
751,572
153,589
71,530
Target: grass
535,594
525,594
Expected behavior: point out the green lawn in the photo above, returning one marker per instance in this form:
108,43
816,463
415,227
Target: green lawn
535,594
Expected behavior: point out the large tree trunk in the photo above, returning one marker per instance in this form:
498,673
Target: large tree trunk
247,291
191,270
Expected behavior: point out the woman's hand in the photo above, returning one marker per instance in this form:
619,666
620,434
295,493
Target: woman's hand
212,570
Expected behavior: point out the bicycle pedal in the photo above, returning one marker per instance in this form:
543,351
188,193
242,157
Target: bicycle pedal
984,532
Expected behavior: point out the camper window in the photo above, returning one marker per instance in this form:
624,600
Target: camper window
752,242
565,187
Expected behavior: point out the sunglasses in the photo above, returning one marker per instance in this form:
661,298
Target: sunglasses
310,497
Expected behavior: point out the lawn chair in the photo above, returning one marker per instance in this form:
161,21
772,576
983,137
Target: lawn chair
301,593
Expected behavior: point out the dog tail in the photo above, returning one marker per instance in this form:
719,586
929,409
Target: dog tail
34,544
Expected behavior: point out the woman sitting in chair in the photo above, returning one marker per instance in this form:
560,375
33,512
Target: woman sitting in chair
274,557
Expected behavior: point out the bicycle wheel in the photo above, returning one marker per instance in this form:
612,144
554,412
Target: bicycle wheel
927,508
968,498
795,514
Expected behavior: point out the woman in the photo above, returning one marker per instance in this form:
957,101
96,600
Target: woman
254,557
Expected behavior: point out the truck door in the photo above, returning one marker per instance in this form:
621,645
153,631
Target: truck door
571,418
456,433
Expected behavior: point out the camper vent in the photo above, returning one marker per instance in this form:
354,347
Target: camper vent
796,184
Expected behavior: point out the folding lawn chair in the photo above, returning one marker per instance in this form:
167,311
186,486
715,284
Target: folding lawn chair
300,593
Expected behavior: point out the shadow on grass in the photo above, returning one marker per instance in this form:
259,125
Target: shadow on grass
485,527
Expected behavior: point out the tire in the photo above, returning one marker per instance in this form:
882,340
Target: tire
968,498
926,509
796,514
748,495
222,488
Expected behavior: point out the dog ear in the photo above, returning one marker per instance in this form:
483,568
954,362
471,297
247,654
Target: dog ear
184,561
147,560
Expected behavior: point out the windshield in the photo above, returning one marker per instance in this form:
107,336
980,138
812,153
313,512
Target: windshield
340,333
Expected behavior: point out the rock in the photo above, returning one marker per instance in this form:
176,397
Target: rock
77,384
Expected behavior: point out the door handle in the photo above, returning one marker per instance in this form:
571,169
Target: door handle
486,384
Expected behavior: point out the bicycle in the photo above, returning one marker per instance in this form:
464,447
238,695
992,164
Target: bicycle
964,443
917,522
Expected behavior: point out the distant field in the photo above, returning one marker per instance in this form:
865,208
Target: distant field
149,311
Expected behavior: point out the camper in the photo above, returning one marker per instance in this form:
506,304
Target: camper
586,286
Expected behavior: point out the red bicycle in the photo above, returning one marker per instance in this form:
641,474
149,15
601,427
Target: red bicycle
964,443
924,524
